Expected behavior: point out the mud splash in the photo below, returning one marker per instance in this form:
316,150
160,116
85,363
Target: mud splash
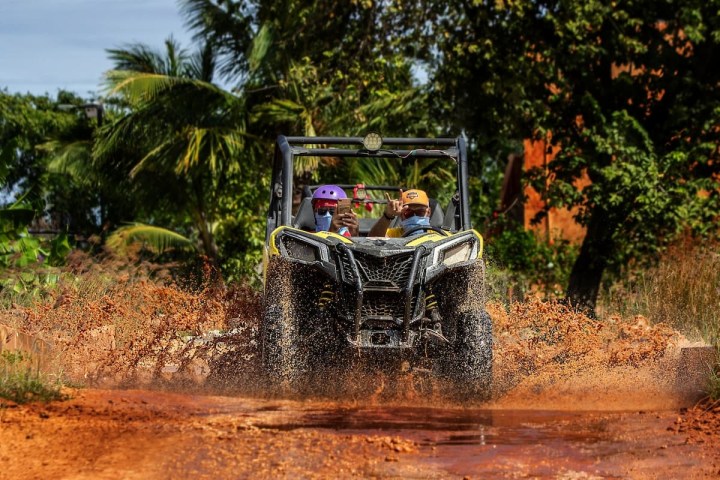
551,357
113,328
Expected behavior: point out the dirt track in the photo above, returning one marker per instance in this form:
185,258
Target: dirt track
574,398
151,435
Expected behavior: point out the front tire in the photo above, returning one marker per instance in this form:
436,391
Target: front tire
280,352
468,361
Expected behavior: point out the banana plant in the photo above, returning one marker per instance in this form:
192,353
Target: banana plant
28,262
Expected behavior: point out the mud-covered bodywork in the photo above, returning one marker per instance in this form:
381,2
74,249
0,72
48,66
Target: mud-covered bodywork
382,290
330,298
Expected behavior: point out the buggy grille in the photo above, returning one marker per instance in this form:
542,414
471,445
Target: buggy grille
380,273
382,305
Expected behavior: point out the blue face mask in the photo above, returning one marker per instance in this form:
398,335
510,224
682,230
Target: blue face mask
415,221
322,222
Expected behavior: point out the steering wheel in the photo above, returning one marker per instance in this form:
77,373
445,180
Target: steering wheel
424,228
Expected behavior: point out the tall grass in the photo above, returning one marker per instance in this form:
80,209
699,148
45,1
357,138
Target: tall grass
682,290
22,381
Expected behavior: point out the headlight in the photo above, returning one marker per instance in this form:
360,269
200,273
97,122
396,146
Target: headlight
461,249
456,254
458,250
299,250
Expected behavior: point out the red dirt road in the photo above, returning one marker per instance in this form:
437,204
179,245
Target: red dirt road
110,434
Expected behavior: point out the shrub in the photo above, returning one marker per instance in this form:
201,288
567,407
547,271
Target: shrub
21,380
520,263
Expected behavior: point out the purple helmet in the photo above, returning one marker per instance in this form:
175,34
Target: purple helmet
329,192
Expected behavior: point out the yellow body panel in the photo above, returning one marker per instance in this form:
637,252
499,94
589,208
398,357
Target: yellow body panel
432,237
273,250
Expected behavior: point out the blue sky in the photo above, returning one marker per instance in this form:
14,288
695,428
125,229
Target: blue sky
46,45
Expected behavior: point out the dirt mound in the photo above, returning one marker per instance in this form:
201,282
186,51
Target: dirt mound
125,329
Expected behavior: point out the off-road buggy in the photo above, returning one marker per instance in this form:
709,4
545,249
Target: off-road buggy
330,299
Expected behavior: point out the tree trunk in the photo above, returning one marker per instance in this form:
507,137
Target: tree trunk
202,224
586,275
208,239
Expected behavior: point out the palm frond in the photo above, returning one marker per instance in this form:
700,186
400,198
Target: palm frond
152,154
139,57
156,239
228,26
136,58
260,46
70,158
202,64
138,87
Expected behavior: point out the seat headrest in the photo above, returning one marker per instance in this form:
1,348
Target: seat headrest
436,215
305,218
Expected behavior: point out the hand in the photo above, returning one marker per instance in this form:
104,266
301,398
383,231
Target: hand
348,220
393,207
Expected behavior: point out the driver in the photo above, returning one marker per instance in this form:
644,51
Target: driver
324,203
413,208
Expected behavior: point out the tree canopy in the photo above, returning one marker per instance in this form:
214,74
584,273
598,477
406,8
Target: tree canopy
627,93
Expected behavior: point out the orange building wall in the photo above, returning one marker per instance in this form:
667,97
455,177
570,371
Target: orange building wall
559,223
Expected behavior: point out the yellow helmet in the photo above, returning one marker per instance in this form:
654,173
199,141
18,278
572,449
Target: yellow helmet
415,197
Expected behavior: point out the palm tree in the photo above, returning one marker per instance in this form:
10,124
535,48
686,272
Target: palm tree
187,135
340,77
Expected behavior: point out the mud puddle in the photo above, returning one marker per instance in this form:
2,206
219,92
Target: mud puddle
499,443
156,435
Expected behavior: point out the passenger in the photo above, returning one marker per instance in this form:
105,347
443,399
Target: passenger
324,203
413,208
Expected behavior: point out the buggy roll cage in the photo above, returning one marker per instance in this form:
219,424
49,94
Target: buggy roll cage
287,148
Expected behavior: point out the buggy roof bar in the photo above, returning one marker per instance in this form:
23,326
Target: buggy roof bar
298,148
359,141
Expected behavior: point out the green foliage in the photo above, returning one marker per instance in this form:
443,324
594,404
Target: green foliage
27,262
523,263
179,130
29,125
21,380
640,197
623,90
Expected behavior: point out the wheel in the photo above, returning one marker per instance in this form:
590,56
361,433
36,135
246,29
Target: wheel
281,358
468,361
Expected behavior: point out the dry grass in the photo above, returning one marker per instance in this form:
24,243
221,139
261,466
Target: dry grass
115,323
683,291
132,325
